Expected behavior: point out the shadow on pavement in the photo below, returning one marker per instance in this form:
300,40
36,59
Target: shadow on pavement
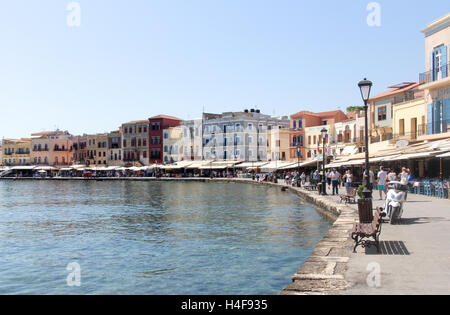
389,248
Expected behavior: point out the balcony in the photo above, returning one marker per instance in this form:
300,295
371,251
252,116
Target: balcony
434,128
435,75
294,144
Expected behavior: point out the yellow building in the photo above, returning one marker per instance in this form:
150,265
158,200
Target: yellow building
16,152
409,119
172,150
313,140
97,147
436,79
278,145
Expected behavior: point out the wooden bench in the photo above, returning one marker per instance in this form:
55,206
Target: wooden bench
362,233
349,197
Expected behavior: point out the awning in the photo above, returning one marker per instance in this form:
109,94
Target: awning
416,155
383,158
275,165
291,165
445,155
46,168
66,169
251,164
197,165
23,168
79,166
348,150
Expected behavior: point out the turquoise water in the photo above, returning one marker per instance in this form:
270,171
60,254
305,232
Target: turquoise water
152,237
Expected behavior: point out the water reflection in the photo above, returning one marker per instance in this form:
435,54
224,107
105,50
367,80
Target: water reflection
148,237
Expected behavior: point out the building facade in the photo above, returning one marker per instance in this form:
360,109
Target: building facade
278,144
436,79
80,150
382,109
172,145
157,125
135,143
97,149
192,140
305,119
232,136
16,152
114,152
53,148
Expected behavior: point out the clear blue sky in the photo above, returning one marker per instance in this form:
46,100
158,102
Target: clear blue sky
138,58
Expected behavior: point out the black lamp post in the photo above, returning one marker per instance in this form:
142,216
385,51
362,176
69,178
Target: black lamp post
324,136
298,164
365,87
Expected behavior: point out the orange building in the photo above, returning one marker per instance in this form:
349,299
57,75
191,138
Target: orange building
304,119
52,148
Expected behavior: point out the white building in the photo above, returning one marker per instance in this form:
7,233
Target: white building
235,136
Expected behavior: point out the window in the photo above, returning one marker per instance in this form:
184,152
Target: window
295,125
381,113
250,126
250,140
402,127
300,124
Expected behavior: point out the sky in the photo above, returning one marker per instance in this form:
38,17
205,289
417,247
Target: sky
130,60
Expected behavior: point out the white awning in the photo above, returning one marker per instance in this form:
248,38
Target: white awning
445,155
46,168
275,165
66,169
251,164
416,155
23,168
198,164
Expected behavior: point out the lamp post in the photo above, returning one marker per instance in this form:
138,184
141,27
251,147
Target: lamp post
365,87
324,136
298,164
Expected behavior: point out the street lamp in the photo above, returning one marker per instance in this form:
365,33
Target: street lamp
365,87
324,136
298,164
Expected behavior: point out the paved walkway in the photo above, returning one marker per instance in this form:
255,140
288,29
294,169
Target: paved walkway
415,256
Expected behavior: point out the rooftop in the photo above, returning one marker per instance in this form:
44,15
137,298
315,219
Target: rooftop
165,117
396,89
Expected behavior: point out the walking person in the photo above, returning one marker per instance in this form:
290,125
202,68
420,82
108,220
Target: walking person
335,181
348,181
329,179
382,177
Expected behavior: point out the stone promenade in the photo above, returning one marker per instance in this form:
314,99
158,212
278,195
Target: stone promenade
414,258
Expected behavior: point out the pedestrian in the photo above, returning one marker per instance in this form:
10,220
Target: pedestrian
335,181
329,178
348,181
382,176
391,176
303,178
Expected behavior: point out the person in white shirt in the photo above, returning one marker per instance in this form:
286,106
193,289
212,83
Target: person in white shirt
335,181
382,176
348,180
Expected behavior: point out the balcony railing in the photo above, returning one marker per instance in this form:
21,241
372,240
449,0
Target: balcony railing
435,75
434,128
